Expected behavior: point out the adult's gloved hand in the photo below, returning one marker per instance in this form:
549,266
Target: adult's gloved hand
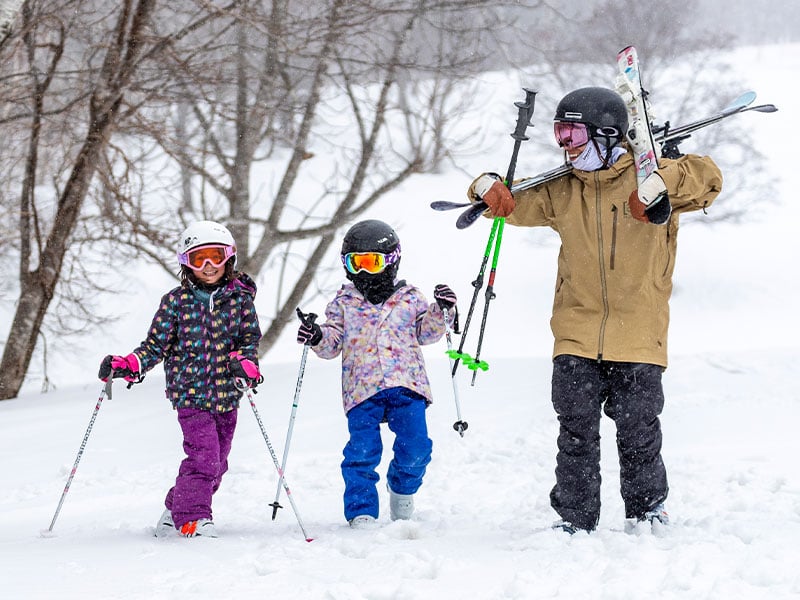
309,333
650,203
127,367
491,189
444,296
244,370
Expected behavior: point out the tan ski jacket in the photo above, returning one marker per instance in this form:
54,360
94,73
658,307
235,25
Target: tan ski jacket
614,272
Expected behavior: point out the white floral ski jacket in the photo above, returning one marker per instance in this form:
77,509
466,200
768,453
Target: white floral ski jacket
380,344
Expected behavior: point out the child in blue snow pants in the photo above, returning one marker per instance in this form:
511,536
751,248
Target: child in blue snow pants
404,412
378,324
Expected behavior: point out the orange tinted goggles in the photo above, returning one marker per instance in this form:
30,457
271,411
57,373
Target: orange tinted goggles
371,262
216,254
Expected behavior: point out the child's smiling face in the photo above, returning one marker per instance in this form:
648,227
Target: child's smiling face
209,274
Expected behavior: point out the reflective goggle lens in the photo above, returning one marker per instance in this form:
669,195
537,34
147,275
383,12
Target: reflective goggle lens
217,255
371,262
571,135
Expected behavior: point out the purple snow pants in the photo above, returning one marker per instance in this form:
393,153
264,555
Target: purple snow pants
207,441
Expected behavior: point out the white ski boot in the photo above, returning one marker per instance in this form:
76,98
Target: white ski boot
401,506
165,526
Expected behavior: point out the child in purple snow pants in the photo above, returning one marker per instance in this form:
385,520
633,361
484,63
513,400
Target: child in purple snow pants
207,441
206,332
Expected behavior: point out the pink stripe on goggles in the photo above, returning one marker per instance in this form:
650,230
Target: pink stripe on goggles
571,135
215,254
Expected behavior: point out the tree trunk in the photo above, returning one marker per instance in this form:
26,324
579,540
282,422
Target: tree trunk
38,287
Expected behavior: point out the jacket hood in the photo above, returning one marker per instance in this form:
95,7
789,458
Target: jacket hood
245,283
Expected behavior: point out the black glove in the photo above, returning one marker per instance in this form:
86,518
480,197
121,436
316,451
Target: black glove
444,296
309,333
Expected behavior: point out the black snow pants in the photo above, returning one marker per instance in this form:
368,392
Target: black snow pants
629,393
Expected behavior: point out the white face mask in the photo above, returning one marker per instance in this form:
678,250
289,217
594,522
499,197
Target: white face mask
592,160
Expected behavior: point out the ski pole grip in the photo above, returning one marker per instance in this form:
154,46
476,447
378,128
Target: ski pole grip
306,318
524,114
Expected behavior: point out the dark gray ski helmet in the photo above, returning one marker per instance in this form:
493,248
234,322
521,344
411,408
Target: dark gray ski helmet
370,236
601,109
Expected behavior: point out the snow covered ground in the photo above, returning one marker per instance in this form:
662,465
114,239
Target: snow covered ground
481,530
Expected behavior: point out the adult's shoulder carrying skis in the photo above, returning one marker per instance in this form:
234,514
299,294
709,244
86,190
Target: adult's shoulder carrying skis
668,137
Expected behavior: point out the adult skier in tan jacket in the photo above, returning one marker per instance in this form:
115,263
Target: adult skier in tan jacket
611,306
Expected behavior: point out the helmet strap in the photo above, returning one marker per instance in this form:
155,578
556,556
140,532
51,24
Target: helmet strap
606,157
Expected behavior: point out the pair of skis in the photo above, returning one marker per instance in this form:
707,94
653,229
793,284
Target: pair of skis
646,140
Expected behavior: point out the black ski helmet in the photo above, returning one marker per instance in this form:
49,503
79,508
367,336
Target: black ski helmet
373,236
601,109
370,236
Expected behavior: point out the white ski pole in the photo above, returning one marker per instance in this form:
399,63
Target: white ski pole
249,394
460,425
310,318
106,392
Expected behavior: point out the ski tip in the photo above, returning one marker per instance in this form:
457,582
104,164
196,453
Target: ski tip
309,539
741,101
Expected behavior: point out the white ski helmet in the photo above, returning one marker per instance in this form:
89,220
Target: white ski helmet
201,233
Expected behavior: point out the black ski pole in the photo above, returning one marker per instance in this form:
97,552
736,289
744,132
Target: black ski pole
524,115
488,296
308,320
106,392
459,354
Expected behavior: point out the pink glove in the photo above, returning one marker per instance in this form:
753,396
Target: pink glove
127,367
244,370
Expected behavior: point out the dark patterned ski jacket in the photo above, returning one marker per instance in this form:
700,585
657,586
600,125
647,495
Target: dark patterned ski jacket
194,335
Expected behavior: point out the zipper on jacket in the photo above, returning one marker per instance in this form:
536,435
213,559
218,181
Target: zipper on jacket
601,266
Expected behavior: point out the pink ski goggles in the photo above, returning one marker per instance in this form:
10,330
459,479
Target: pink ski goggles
215,254
571,135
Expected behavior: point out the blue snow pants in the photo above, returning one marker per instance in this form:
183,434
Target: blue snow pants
404,411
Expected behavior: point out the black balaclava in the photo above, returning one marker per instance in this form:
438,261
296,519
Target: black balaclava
377,288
